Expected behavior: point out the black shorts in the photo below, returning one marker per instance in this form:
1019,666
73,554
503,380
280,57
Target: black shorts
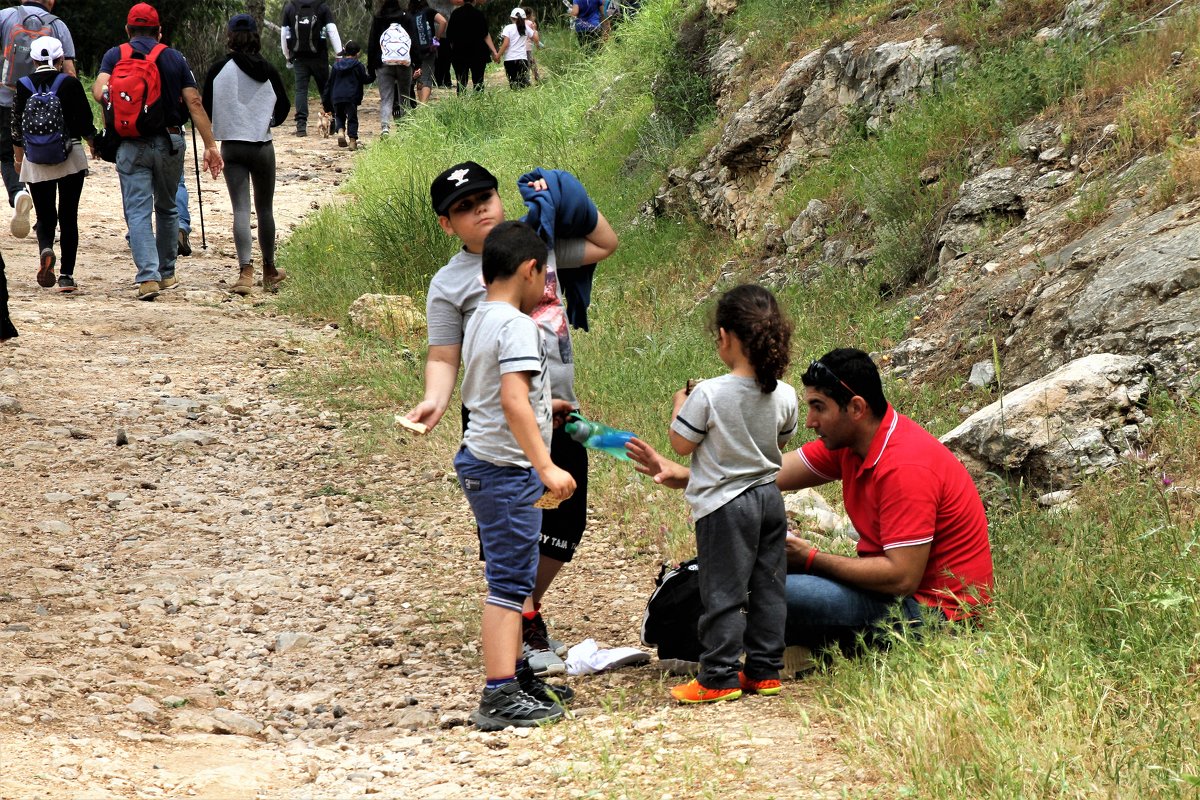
562,527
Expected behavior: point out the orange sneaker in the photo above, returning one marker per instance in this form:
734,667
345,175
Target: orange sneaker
767,688
693,692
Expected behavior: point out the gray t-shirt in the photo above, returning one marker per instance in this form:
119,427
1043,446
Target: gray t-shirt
457,289
739,432
500,339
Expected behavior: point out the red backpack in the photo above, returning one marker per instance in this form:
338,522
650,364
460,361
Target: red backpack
133,101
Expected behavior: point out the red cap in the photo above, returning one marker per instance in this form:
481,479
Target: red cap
142,15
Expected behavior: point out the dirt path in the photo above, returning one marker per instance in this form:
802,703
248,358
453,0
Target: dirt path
235,605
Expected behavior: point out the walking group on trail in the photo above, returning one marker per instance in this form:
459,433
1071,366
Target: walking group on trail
503,307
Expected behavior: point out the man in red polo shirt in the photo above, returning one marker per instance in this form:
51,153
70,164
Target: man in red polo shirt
923,543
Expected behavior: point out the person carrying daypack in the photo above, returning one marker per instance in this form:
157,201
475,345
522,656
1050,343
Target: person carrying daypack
390,51
305,34
51,118
150,162
430,25
20,25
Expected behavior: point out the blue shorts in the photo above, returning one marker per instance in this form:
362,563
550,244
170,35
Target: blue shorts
510,527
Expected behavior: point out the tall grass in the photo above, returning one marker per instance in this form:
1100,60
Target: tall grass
1084,679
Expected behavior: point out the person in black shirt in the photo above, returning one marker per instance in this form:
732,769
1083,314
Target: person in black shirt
472,45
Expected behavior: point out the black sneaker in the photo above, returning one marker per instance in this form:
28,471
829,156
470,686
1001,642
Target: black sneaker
534,634
509,705
538,689
66,283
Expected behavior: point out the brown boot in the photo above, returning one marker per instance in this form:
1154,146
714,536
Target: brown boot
245,282
272,278
354,144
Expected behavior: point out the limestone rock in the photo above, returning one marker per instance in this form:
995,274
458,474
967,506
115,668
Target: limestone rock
388,316
9,405
1076,421
232,722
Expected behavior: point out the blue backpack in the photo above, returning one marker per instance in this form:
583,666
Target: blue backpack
43,124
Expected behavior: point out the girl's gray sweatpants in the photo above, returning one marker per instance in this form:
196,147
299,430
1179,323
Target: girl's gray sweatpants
743,572
249,163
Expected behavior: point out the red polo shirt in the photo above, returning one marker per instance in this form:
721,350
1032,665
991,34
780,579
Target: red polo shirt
911,490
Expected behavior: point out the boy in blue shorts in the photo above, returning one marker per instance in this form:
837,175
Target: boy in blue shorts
504,467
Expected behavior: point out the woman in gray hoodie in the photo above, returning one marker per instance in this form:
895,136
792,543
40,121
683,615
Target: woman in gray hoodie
245,97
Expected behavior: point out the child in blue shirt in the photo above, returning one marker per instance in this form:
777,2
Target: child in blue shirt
344,94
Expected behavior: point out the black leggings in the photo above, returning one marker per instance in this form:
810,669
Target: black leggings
64,215
249,163
7,331
517,71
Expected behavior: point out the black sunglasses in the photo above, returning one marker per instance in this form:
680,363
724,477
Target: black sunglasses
822,374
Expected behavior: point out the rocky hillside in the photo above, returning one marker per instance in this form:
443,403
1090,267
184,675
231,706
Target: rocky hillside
1064,232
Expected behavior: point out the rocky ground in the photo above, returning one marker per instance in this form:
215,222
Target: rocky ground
207,591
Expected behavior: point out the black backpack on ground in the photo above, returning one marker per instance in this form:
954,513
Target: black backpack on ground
306,28
672,615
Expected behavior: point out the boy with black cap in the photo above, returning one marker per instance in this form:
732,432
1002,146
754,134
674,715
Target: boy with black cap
469,207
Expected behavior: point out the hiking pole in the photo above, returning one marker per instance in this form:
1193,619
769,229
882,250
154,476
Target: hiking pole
199,191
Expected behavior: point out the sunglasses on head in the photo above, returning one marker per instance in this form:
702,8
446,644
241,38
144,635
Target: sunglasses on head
824,375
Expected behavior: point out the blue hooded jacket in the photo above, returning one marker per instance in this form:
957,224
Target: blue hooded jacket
564,211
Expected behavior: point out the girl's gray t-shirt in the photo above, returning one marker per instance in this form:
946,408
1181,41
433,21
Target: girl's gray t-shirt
739,432
457,289
500,339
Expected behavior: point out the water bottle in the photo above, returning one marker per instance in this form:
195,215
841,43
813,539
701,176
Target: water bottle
598,436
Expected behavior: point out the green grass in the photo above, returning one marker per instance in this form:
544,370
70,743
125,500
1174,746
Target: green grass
1085,679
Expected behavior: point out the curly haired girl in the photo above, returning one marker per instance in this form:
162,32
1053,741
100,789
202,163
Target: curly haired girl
733,427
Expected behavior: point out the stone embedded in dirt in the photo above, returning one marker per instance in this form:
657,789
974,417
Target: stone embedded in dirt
198,438
9,405
291,641
159,379
145,708
188,720
235,723
415,719
58,497
54,526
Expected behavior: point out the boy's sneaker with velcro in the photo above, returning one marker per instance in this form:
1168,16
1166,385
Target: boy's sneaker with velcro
510,705
695,692
768,687
538,689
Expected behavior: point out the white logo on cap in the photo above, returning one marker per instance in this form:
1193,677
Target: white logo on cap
459,176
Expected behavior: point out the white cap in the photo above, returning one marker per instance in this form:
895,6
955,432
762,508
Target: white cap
46,49
517,13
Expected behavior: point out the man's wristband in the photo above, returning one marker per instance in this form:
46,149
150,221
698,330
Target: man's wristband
808,562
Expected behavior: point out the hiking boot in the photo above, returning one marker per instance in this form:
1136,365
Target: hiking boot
354,144
534,634
342,139
301,130
694,692
169,282
245,281
272,279
509,705
22,205
148,290
45,276
66,284
538,689
185,245
768,687
544,662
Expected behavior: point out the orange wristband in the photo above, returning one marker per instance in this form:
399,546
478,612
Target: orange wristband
808,562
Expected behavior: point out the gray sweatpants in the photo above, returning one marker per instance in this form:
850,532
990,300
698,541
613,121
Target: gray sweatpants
743,570
246,163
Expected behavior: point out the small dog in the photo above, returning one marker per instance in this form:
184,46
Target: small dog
323,121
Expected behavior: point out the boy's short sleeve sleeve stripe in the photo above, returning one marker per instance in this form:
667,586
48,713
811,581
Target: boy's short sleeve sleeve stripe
692,420
520,346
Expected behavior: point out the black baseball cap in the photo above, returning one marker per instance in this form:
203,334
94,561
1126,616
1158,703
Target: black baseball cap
459,181
242,23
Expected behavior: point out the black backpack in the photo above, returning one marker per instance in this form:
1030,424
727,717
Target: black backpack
307,30
672,614
424,25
